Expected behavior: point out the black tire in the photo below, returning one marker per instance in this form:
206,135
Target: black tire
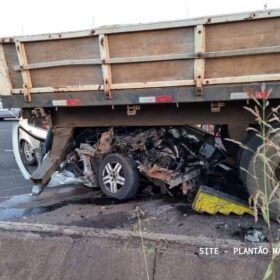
255,177
252,142
128,187
231,148
27,158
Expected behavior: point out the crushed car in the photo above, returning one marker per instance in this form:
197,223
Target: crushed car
116,159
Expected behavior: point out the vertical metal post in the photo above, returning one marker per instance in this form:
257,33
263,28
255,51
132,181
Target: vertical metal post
27,84
5,81
199,63
106,68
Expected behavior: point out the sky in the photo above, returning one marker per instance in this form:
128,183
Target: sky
26,17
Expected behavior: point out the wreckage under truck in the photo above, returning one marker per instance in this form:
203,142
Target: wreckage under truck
120,100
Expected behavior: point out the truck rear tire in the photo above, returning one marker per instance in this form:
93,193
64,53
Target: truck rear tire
231,148
118,177
256,179
236,132
252,142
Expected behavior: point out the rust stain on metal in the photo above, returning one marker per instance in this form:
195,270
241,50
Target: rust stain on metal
250,91
102,42
104,145
156,172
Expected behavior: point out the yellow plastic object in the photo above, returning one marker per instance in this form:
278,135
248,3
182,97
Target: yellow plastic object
212,202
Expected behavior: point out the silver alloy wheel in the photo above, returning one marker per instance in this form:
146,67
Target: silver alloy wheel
113,177
28,152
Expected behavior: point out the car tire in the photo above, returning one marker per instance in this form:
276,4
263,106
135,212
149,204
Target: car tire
118,177
28,156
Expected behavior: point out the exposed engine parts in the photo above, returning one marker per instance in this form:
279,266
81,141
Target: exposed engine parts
165,156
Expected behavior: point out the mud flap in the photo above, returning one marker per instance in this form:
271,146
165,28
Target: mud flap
211,201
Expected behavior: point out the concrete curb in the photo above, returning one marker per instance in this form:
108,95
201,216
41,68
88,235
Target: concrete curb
40,251
115,234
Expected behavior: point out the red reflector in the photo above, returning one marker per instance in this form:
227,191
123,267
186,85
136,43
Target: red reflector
261,94
164,98
73,102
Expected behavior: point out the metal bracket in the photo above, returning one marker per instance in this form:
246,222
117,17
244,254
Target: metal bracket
39,112
132,109
199,90
26,93
107,90
216,106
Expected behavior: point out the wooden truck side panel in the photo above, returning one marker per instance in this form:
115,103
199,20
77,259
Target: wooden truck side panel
193,55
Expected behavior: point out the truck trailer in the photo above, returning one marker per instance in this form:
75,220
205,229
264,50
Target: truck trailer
123,102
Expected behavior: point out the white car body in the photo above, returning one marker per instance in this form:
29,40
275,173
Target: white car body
24,131
33,130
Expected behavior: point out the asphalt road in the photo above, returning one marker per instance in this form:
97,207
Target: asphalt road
11,181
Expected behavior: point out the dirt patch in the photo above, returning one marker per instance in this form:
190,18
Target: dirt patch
160,215
112,220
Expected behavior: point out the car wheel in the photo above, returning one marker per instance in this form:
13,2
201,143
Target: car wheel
118,177
27,153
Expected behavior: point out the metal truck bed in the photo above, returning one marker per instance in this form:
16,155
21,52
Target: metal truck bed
206,59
